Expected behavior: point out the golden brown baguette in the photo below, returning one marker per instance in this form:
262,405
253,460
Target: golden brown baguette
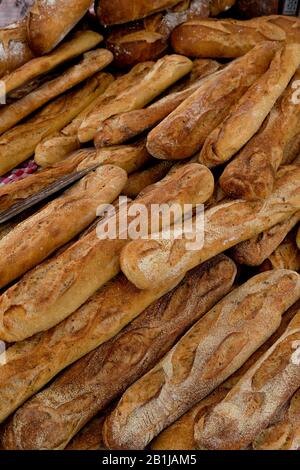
286,255
32,363
38,236
232,38
101,376
90,437
19,143
79,43
184,131
248,114
120,11
68,279
91,63
150,262
57,147
49,22
252,172
122,127
163,74
284,433
180,435
256,398
213,349
14,48
141,179
256,250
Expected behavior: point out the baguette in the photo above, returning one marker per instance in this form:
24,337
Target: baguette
163,74
248,114
228,38
286,255
150,262
180,435
68,279
32,363
256,250
38,236
79,43
92,62
283,434
112,12
184,131
49,22
256,398
100,377
251,174
122,127
14,48
58,147
141,179
213,349
19,143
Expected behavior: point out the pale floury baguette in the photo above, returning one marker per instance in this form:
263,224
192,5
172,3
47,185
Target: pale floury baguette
180,435
141,179
256,250
251,174
92,62
122,127
150,262
286,255
163,74
32,363
49,22
14,48
19,143
55,148
256,398
79,43
184,131
248,114
91,384
213,349
38,236
68,279
226,38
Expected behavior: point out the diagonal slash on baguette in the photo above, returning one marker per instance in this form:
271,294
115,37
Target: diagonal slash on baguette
53,188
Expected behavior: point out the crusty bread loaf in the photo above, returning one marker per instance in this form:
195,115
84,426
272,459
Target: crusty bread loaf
91,63
58,146
256,250
232,38
256,398
180,435
32,363
120,11
248,114
96,380
283,433
214,348
251,174
286,255
163,74
14,49
150,262
141,179
49,22
19,143
38,236
184,131
68,279
90,437
79,43
122,127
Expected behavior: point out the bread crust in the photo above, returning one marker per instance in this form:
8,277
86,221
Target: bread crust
14,47
214,348
139,180
183,132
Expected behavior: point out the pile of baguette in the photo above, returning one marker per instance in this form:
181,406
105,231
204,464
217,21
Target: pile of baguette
145,344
